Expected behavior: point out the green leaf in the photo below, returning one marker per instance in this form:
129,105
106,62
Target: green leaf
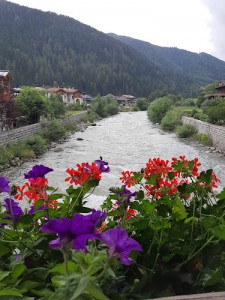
18,270
221,195
55,196
70,287
178,210
219,231
160,223
95,292
38,203
10,292
4,250
3,275
148,206
206,177
214,278
60,268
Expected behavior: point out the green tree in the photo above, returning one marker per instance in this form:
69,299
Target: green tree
58,108
32,104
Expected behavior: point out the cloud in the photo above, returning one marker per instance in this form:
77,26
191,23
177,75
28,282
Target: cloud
217,26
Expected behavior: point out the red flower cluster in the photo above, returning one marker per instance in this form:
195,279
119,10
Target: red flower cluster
163,178
212,184
35,189
127,178
186,167
84,172
157,166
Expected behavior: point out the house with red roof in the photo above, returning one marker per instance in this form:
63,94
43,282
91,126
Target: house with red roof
68,95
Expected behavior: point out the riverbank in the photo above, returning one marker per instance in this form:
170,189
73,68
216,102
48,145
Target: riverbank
30,153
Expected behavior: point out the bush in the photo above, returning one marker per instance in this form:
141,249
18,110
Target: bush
103,107
171,120
204,139
158,108
37,144
6,155
53,131
185,131
200,116
142,104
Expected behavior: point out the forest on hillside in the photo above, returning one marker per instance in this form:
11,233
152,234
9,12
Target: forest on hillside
46,49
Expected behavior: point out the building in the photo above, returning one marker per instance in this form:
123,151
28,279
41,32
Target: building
69,95
5,79
126,100
220,88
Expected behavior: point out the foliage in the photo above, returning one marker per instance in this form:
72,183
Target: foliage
53,131
32,104
216,114
76,107
187,102
103,107
186,131
160,233
37,144
158,108
204,139
142,104
187,71
208,89
72,54
171,120
58,108
200,116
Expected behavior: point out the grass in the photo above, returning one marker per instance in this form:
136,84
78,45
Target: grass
74,112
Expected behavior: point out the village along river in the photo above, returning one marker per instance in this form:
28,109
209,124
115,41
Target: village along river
126,141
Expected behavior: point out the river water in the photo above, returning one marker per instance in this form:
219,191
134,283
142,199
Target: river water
126,141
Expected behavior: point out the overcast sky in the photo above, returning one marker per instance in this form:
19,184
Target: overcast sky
194,25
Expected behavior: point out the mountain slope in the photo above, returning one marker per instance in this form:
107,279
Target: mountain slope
40,48
179,64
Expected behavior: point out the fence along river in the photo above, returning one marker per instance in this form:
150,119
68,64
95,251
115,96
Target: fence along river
126,141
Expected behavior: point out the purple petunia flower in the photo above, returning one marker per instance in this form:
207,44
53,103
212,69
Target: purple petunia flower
4,185
12,208
96,216
102,165
75,231
125,194
37,171
120,243
31,210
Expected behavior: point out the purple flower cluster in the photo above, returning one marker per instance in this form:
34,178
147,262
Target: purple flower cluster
4,185
102,165
75,231
37,171
125,194
80,228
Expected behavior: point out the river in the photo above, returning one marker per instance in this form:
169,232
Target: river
126,141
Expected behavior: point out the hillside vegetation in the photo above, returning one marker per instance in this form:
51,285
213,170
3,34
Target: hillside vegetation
43,48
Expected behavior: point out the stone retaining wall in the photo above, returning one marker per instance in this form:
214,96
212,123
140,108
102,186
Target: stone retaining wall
215,133
10,136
